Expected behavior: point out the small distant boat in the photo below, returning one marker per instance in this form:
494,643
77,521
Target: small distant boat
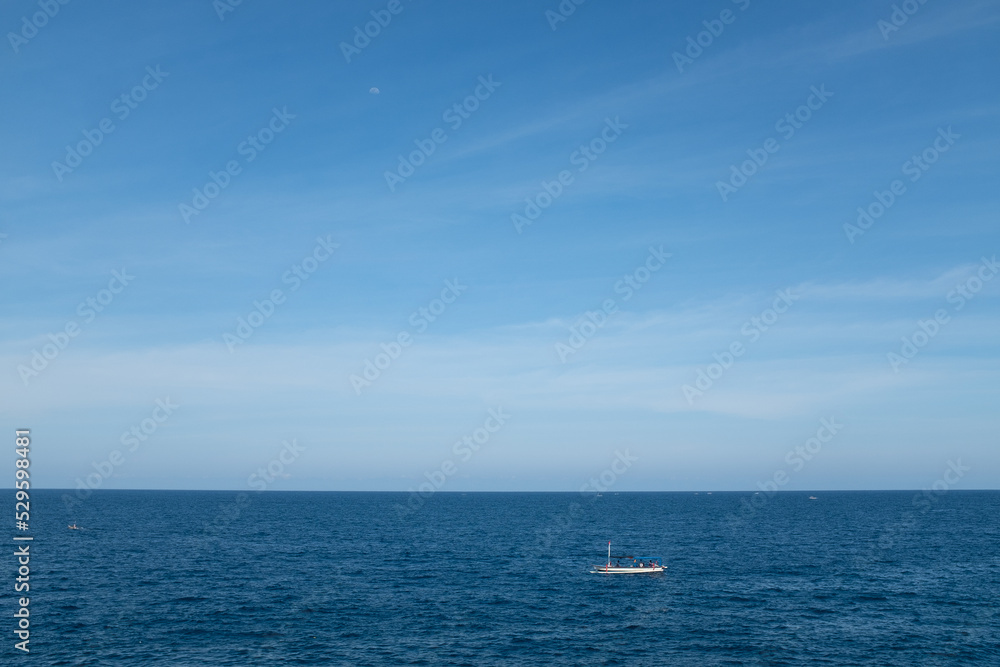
630,565
812,497
74,527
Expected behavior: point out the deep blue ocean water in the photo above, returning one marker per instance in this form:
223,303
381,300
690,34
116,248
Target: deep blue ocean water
886,578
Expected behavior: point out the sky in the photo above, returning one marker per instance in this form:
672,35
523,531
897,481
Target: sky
523,246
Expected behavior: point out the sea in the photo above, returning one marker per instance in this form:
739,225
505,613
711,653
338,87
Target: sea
315,578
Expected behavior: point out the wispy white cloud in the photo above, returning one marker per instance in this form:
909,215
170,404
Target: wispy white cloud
893,288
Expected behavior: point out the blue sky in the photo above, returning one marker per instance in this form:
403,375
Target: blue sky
516,293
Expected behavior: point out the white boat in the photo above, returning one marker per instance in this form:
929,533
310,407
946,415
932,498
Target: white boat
630,565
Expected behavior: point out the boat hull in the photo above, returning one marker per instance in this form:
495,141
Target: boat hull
601,569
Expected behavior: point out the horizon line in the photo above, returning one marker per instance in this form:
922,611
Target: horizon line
588,493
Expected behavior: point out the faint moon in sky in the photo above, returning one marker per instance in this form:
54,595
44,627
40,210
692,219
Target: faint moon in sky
373,91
